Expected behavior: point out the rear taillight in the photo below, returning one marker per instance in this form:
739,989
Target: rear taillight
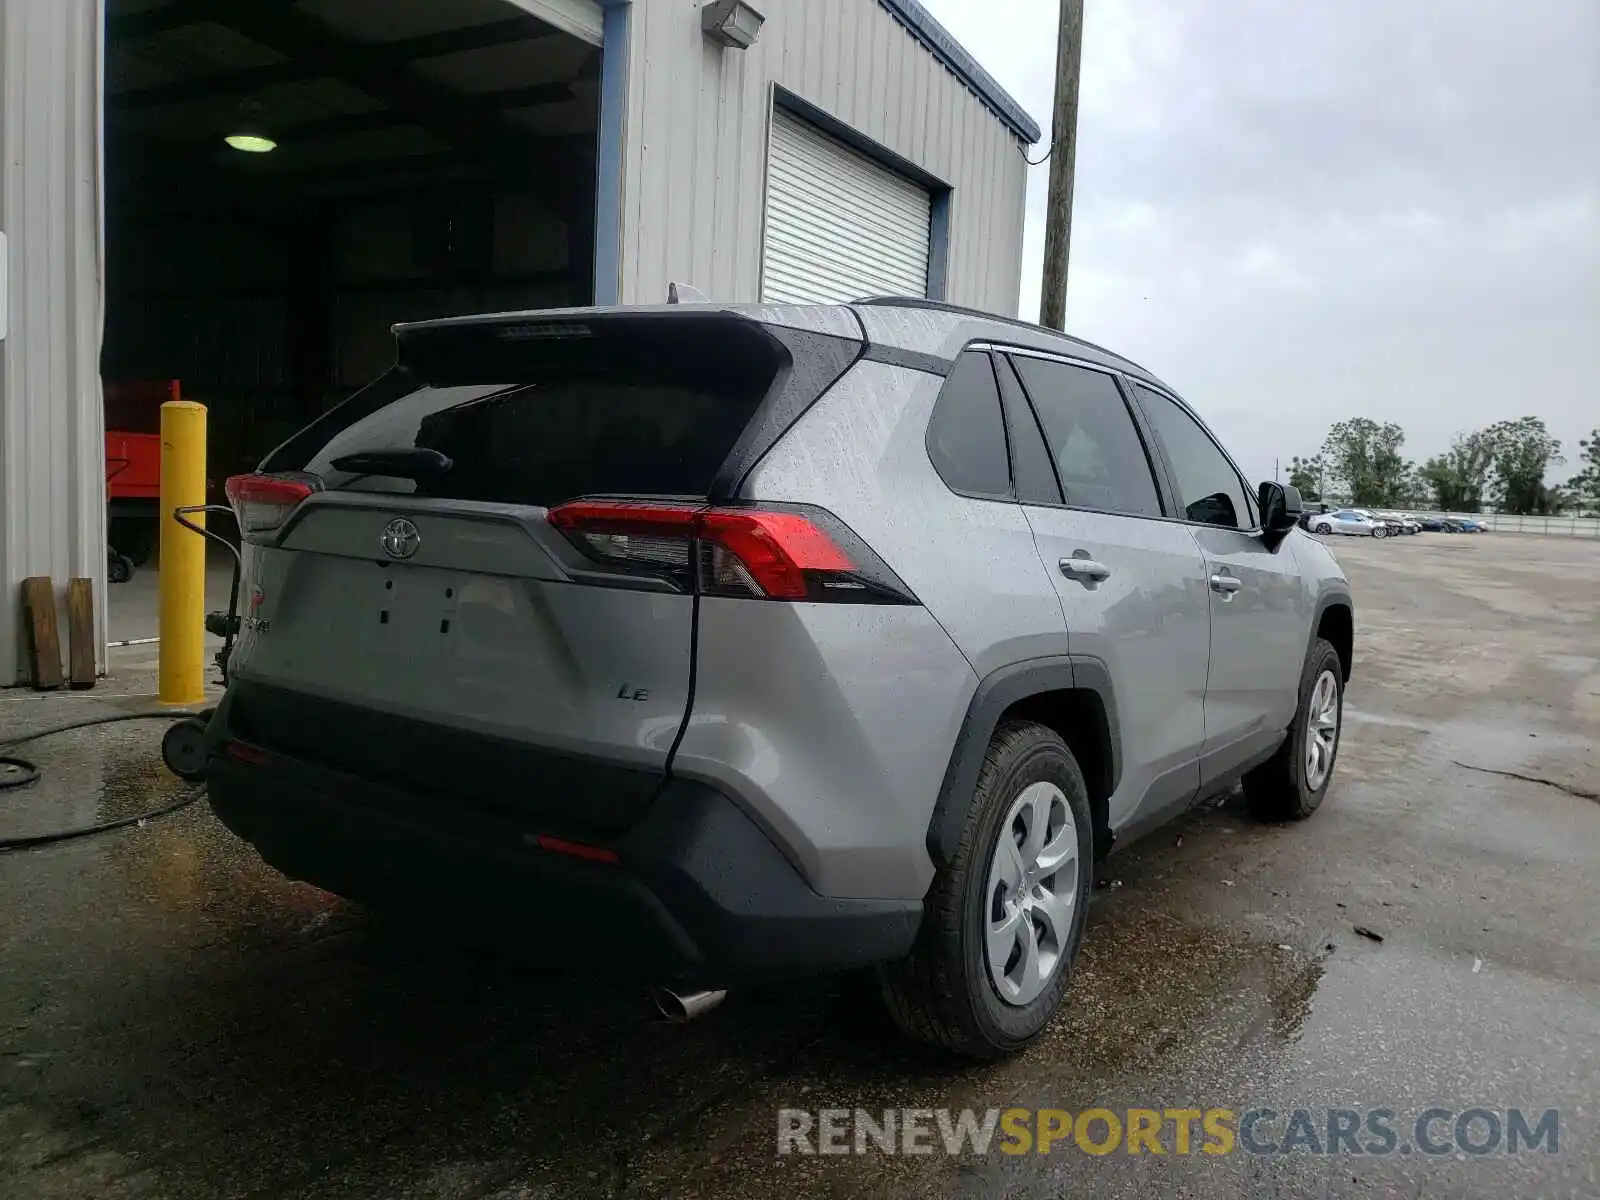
263,502
784,552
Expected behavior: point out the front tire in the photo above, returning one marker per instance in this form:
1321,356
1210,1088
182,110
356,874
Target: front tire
1004,918
1378,531
1291,784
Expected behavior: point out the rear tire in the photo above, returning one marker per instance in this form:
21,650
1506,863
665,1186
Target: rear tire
1019,879
1291,784
1324,528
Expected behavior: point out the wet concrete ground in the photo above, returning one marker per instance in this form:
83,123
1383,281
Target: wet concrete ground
178,1021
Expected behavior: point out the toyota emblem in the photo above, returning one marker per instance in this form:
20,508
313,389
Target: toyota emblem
400,538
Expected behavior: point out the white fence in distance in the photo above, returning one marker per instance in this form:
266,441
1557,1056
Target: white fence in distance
1585,527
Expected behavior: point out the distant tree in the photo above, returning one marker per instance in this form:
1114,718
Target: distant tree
1585,484
1413,490
1523,451
1364,457
1305,475
1457,478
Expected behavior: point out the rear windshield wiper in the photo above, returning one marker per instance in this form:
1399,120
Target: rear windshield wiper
414,462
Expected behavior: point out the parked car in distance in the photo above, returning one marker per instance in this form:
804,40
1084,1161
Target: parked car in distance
1472,525
1350,522
722,644
1390,524
1408,523
1432,524
1310,510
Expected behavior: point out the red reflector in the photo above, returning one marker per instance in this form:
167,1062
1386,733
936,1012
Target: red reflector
576,849
240,752
265,489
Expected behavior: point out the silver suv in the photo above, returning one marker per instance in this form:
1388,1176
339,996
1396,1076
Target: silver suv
740,643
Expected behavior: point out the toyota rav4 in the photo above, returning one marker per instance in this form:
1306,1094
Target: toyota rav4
740,643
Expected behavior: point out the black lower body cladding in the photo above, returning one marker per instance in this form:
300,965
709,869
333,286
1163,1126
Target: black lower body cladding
692,894
497,775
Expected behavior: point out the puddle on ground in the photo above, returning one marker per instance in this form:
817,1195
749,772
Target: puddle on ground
89,776
1145,1003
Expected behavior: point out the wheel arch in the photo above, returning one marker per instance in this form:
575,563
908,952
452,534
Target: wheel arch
1335,622
1070,694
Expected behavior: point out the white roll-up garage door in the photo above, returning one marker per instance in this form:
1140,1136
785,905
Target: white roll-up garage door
839,225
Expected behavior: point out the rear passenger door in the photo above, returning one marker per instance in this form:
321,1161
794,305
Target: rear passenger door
1259,617
984,581
1131,583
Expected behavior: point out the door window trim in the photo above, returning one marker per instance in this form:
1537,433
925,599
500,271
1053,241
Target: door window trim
1166,496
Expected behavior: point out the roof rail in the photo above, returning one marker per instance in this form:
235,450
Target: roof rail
962,310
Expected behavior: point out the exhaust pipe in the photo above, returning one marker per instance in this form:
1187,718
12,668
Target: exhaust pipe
680,1008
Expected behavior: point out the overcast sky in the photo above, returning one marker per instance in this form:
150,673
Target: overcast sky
1296,211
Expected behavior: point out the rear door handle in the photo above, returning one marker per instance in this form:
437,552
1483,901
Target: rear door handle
1225,586
1085,570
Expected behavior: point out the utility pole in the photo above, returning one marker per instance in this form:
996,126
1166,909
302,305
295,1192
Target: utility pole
1063,156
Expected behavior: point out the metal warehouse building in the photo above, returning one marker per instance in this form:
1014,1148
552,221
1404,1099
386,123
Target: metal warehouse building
235,199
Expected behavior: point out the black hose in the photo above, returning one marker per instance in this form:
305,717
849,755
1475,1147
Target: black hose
27,772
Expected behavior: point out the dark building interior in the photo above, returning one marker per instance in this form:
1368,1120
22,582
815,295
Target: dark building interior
285,181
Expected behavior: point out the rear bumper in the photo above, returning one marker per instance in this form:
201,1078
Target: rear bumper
698,894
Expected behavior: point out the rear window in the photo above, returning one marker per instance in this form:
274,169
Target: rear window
538,413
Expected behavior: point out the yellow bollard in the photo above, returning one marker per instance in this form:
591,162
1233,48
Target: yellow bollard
181,674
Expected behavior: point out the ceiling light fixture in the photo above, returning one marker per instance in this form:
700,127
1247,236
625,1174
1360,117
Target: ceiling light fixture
251,143
249,135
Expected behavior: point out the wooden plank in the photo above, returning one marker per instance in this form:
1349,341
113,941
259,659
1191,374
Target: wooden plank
80,633
44,643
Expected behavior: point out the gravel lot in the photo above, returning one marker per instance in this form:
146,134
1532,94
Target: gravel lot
177,1021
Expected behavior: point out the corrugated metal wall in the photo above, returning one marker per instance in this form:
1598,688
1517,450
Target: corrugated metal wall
695,143
52,448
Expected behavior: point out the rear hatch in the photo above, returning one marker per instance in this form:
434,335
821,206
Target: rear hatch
420,609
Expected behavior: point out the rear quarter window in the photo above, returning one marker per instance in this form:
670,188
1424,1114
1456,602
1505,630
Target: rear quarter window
967,435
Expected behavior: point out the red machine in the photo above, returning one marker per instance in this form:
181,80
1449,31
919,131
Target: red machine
133,471
133,466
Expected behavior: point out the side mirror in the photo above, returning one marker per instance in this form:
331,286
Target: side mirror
1280,510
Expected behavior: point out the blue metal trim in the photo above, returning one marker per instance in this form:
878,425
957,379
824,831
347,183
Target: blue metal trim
937,39
608,152
939,246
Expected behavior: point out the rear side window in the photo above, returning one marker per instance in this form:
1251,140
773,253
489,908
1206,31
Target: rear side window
1096,446
966,435
542,413
1209,488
